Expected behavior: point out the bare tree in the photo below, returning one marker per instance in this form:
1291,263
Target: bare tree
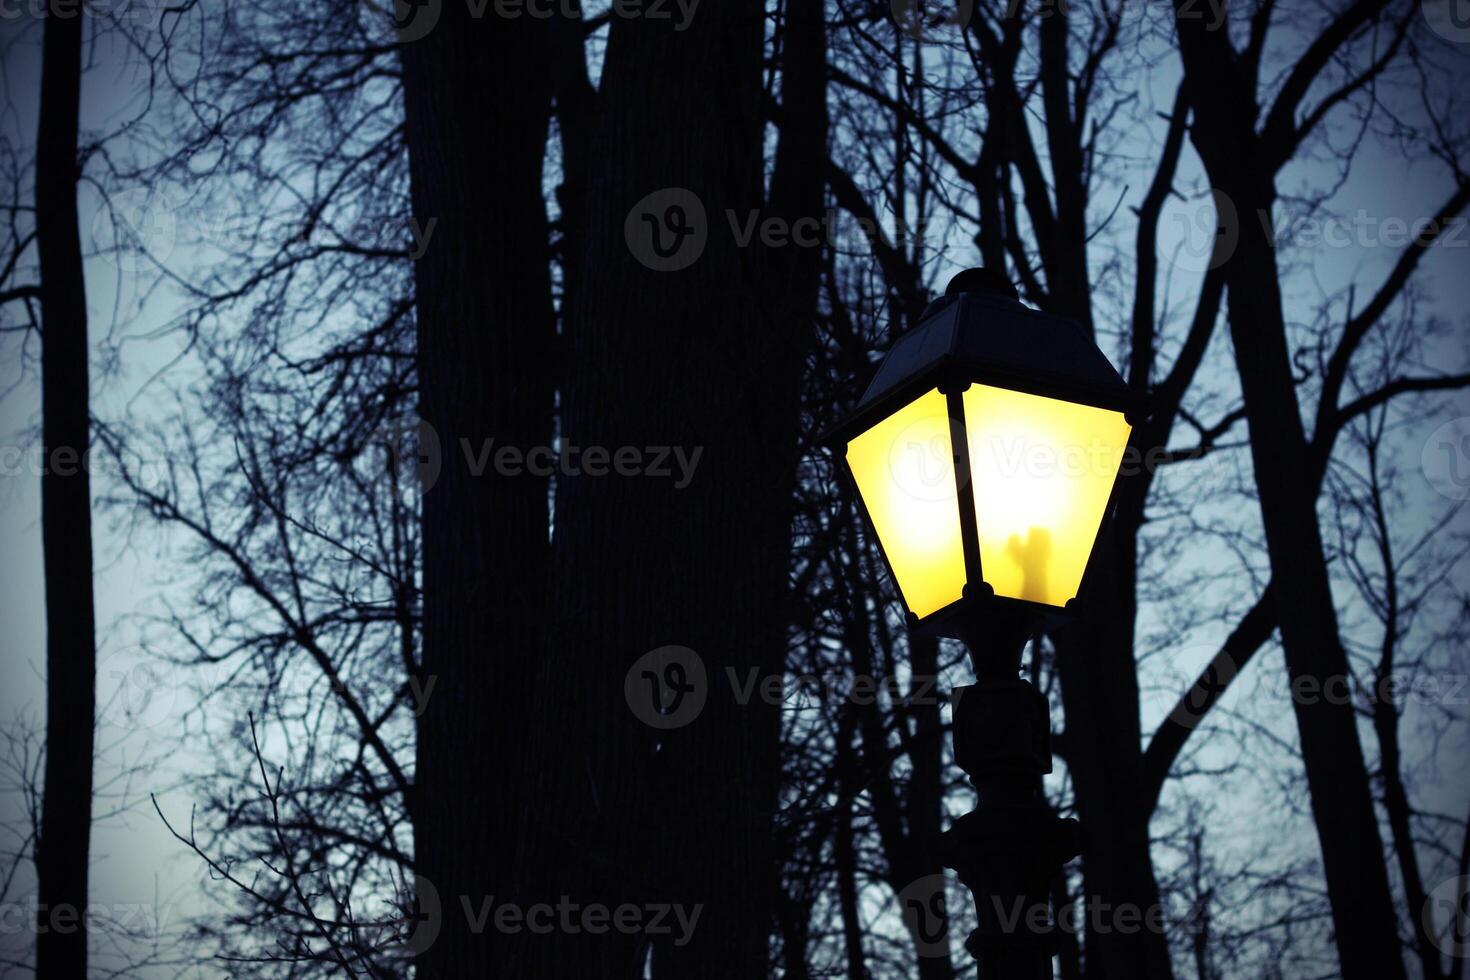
484,353
63,845
1243,145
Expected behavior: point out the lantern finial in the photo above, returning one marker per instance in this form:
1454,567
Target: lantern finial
981,280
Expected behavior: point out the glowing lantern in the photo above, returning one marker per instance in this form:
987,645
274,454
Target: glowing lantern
986,450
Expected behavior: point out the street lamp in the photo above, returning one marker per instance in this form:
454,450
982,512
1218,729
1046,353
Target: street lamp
985,454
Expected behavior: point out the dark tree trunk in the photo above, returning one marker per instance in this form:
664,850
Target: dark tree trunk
1337,776
1099,681
908,833
795,919
691,358
926,782
844,856
477,95
1100,696
1400,816
66,517
1386,715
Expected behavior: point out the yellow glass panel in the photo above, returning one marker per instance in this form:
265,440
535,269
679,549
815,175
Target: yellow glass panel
1042,471
904,470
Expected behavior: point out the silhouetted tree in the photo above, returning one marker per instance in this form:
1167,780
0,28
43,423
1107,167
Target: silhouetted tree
485,353
63,847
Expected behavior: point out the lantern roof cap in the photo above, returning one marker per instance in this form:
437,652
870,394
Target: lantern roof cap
979,331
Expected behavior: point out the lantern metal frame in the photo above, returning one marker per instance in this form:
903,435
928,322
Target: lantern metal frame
980,333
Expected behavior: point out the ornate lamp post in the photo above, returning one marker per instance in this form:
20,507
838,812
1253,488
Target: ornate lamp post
985,454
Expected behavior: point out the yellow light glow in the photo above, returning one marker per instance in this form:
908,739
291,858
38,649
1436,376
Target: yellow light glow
904,470
1042,472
